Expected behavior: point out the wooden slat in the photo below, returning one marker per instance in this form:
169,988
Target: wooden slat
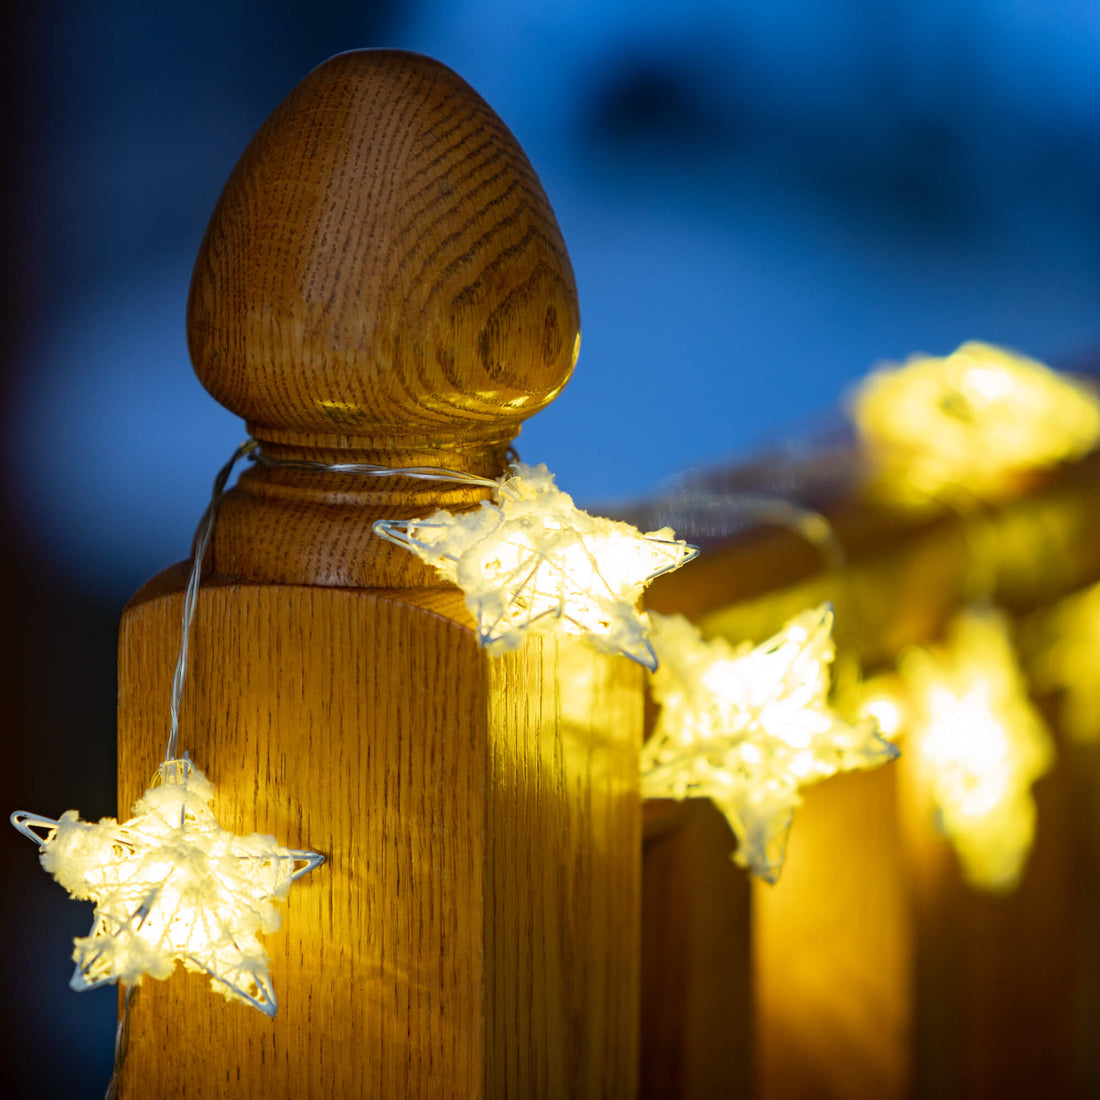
832,946
878,972
696,1039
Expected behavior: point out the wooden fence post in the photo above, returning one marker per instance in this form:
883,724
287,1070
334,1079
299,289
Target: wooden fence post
383,281
877,972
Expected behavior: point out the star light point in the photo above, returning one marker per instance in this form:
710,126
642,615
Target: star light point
748,727
532,561
968,425
980,745
171,885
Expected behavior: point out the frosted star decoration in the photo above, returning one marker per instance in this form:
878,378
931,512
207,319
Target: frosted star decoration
170,885
532,561
748,727
980,745
971,424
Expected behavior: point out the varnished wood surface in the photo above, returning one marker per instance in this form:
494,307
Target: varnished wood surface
833,950
382,264
697,996
382,281
563,836
475,930
879,973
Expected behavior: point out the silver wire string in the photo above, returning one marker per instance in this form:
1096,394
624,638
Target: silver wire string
704,513
122,1044
420,473
810,524
251,450
716,514
815,529
191,595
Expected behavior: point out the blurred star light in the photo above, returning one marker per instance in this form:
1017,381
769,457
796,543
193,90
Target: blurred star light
533,561
969,425
980,745
1068,661
749,727
171,885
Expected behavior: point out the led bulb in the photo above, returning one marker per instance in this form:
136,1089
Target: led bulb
980,745
748,727
170,885
968,425
532,561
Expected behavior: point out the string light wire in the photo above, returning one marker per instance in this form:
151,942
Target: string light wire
122,1045
191,595
368,469
251,449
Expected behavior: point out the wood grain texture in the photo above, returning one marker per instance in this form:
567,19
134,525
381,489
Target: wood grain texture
383,263
878,971
564,856
475,931
833,949
697,996
383,280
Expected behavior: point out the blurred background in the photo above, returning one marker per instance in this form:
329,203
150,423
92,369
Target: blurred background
761,202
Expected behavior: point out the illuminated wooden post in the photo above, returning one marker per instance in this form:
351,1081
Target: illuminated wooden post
832,950
383,281
809,979
877,972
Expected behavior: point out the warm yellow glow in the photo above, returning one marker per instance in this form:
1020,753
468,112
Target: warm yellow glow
981,745
967,425
881,699
1069,661
885,712
533,561
748,727
171,885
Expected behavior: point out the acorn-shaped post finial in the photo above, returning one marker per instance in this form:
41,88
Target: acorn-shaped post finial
382,281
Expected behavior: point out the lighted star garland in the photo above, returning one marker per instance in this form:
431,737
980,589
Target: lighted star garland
170,885
531,561
1066,659
746,726
961,432
749,727
980,745
968,426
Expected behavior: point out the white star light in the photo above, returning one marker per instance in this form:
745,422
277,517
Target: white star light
748,727
533,561
171,885
970,425
980,745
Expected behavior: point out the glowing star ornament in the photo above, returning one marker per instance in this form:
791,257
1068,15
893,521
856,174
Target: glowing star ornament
170,885
970,425
1067,640
532,561
980,745
748,727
